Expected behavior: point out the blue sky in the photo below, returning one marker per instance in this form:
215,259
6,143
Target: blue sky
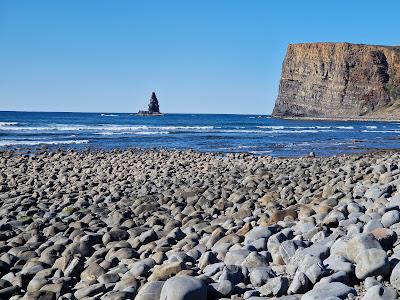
198,56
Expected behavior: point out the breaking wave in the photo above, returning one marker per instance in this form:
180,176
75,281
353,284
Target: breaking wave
62,127
34,143
133,132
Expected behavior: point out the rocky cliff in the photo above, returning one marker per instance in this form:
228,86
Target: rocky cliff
340,80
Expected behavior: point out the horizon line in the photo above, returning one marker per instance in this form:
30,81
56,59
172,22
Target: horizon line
132,113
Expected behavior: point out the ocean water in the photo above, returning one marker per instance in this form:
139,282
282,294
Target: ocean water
209,133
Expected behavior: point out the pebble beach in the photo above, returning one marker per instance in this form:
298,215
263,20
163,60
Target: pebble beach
186,225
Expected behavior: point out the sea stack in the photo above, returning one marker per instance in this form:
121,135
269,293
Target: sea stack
340,81
154,107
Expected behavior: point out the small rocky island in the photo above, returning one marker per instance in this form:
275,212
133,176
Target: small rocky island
340,81
154,107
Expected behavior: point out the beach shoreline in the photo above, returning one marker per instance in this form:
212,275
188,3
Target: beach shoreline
122,223
330,119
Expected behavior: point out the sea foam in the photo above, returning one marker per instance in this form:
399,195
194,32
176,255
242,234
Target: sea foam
6,143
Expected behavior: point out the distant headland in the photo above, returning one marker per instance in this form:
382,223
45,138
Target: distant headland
340,81
154,107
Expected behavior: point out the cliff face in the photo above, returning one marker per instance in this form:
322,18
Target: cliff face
339,80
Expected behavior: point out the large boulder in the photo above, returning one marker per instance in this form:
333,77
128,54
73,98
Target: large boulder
150,291
183,288
359,243
372,262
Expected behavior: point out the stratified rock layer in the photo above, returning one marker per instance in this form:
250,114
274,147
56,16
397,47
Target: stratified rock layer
340,80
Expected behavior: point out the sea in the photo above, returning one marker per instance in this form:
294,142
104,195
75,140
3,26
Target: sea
219,133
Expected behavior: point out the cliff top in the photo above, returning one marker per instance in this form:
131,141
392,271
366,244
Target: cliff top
345,44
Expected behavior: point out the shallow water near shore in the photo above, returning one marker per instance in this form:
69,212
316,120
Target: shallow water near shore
258,135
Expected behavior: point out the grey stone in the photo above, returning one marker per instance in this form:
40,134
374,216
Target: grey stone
254,260
113,295
142,267
115,235
339,247
308,261
276,286
234,274
183,288
41,295
150,291
315,272
378,292
236,198
92,272
257,233
166,271
287,249
7,292
37,283
74,267
395,277
260,276
259,244
222,288
375,192
340,276
236,257
339,263
212,269
360,242
319,251
89,291
325,290
390,218
207,258
108,278
300,284
126,253
371,225
372,262
370,282
148,236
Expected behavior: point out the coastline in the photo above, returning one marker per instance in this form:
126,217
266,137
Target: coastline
122,223
344,119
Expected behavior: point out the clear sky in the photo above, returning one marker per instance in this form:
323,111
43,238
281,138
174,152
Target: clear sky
198,56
